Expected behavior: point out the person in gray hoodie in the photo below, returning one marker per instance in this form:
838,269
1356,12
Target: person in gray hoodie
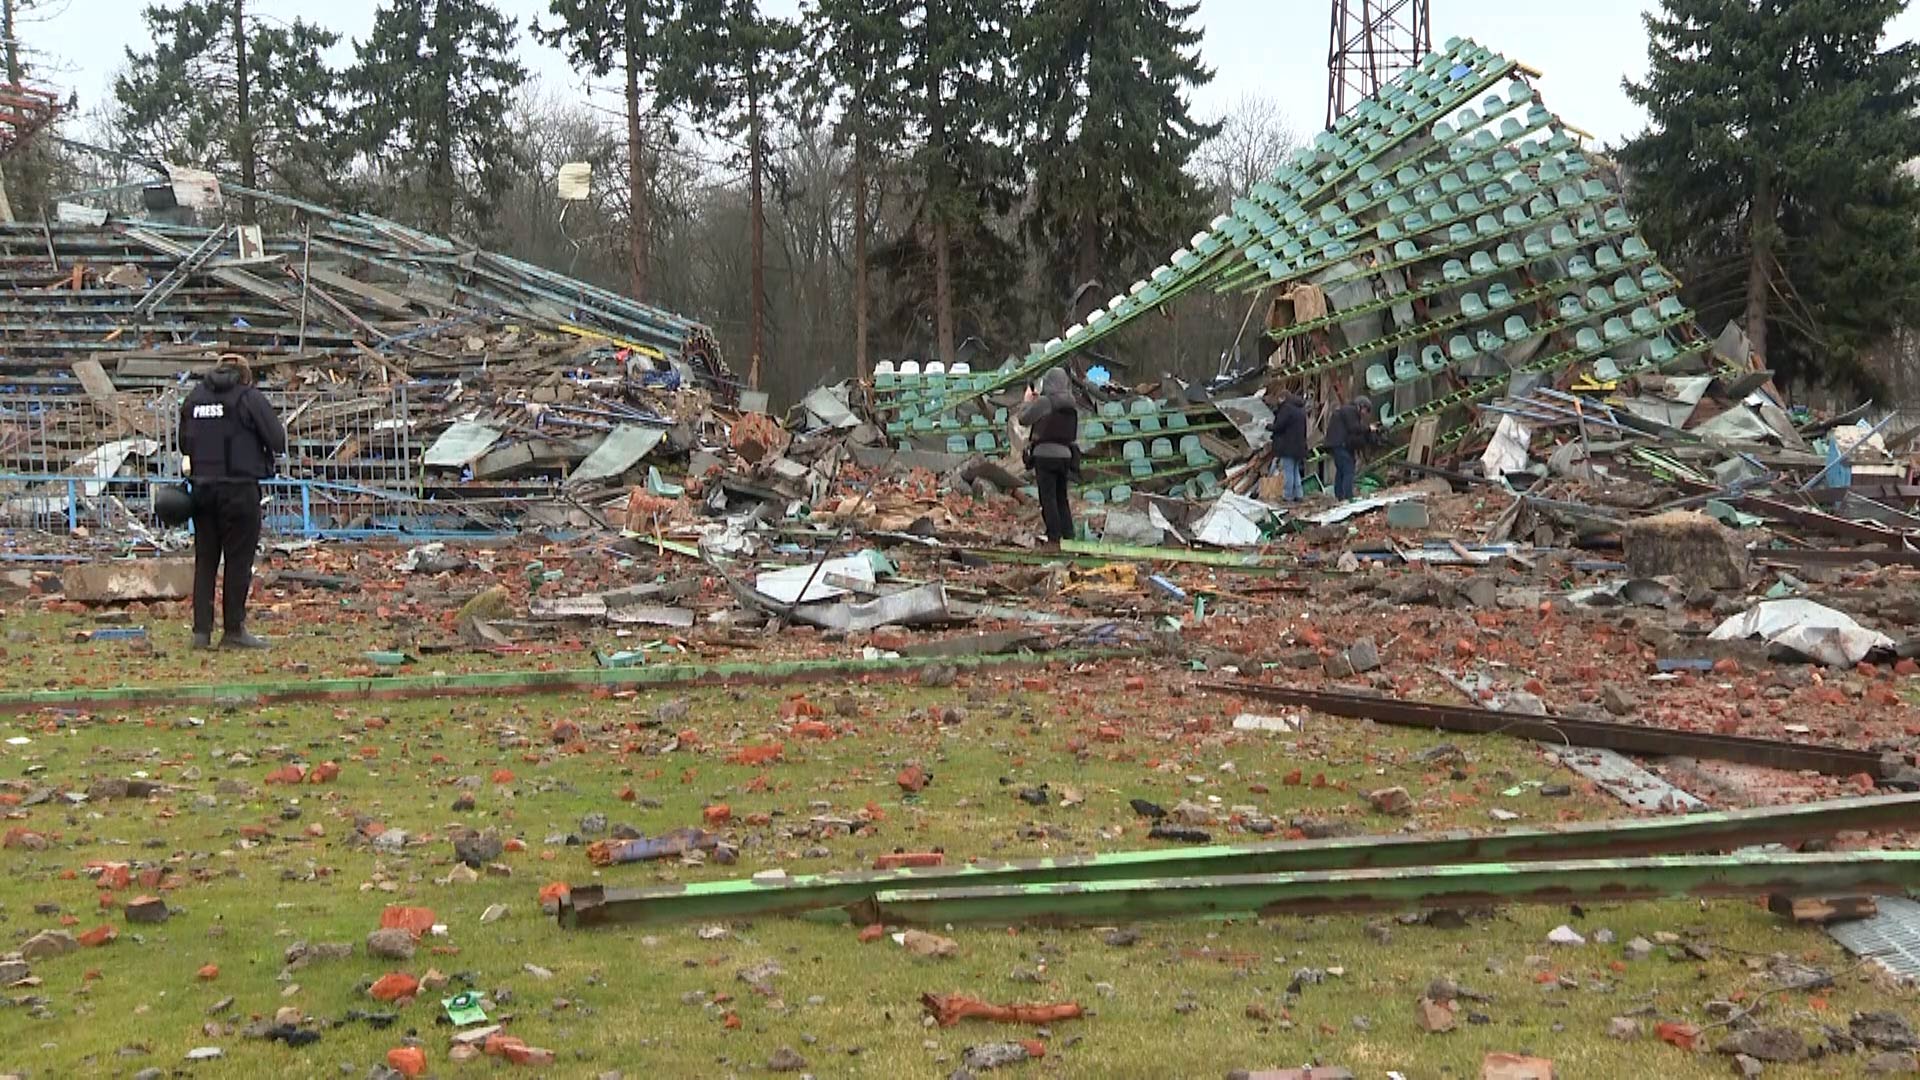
1053,453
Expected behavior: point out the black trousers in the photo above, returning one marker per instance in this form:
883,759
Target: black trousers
226,525
1051,478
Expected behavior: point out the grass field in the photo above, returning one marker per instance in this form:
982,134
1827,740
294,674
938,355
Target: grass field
257,868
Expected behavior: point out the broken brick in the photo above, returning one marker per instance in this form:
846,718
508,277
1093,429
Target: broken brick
146,909
408,1061
414,920
393,987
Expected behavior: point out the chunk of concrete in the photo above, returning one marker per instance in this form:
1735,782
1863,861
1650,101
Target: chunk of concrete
1411,514
123,581
1687,545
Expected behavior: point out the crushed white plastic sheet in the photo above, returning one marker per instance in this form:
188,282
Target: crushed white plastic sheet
1815,631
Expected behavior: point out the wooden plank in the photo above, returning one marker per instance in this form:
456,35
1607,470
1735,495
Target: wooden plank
98,385
1426,431
106,397
384,299
1821,910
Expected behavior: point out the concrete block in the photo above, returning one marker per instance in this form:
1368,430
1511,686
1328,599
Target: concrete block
1411,514
124,581
1688,545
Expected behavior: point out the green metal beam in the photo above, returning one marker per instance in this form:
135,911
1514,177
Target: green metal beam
594,905
1399,888
1134,553
509,682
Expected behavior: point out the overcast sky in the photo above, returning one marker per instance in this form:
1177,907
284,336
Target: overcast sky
1275,48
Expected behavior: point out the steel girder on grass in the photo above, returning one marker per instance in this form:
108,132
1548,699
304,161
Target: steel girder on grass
1604,734
1400,888
514,682
751,897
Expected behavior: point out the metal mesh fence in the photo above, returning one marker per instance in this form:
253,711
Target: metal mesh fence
71,466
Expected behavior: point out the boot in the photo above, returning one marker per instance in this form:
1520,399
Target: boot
203,639
241,639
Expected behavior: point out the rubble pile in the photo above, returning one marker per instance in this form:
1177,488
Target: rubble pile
409,368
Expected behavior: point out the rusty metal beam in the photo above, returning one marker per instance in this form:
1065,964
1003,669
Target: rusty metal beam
1836,556
1605,734
1802,517
595,905
1397,889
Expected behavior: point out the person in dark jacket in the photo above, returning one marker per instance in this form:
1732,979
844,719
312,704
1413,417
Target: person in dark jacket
1053,452
1290,442
1350,430
228,436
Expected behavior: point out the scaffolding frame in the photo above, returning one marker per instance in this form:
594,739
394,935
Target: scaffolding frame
1372,41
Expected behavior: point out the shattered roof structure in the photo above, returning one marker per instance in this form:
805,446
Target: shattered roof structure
427,384
1446,238
362,277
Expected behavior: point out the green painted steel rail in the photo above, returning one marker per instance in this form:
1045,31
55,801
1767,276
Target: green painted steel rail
752,897
1196,556
510,682
1571,731
1400,888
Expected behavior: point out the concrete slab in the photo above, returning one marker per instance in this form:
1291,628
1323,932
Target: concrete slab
124,581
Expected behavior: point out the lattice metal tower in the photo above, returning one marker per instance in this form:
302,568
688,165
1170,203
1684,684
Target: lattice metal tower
1371,42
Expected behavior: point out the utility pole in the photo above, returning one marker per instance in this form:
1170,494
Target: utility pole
243,112
14,77
1371,42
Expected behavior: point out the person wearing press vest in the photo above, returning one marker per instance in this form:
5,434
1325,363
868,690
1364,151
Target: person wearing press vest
228,438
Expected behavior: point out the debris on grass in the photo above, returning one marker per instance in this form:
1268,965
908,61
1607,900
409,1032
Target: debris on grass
949,1009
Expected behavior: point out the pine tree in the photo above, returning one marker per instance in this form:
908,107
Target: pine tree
861,44
1772,172
638,37
736,71
431,89
958,97
1104,94
230,92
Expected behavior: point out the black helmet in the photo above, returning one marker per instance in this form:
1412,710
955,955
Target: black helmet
172,505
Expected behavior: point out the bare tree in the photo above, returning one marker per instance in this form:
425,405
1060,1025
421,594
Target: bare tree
1254,140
